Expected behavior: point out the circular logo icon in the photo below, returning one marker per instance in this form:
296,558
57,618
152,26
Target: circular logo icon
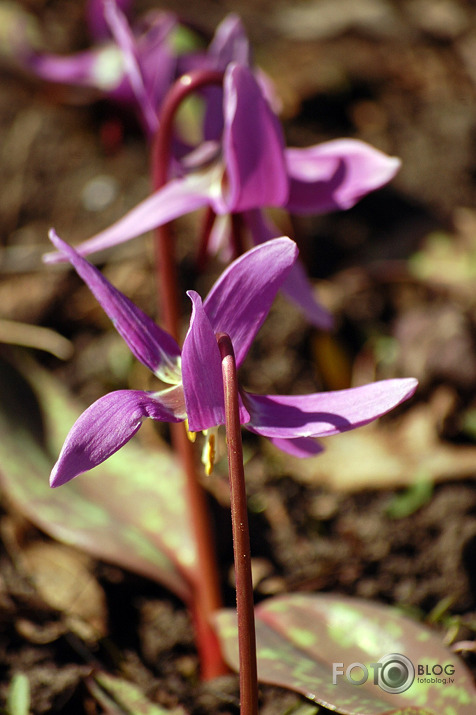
396,673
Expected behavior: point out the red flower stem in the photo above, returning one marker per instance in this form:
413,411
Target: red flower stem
207,598
237,235
205,239
241,539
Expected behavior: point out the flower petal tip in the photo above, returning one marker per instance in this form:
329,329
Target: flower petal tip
55,256
412,384
57,479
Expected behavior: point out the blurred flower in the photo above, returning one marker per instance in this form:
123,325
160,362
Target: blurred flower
251,169
131,65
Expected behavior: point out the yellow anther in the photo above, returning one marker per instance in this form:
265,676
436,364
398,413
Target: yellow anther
209,450
191,435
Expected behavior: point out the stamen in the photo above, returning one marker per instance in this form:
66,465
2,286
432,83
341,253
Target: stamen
191,435
209,449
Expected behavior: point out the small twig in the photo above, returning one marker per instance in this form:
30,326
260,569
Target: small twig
241,539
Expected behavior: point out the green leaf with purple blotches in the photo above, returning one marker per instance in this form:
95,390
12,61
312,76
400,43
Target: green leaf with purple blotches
129,511
307,641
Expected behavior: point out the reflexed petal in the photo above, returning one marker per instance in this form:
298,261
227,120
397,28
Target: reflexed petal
297,288
155,348
270,93
156,59
325,413
125,39
178,197
229,44
301,447
202,373
296,285
335,175
97,24
241,298
104,428
82,68
253,146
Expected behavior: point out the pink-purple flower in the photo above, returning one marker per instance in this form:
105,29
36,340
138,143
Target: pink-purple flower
133,65
249,170
237,304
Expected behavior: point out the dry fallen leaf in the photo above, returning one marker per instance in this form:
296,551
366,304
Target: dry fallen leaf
387,455
63,579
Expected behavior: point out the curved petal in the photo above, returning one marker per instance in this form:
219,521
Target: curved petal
202,373
155,348
178,197
253,146
296,286
100,67
325,413
241,298
98,27
125,39
230,43
104,428
335,175
157,61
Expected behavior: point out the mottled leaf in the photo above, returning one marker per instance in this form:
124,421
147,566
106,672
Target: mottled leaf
129,511
303,708
301,636
120,696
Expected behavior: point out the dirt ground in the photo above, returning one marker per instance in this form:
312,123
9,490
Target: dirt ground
390,516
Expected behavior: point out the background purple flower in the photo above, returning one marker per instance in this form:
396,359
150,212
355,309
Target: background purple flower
250,170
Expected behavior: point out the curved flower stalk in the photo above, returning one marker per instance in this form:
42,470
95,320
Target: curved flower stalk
229,44
250,170
135,64
237,304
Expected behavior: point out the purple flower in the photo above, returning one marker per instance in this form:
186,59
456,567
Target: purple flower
229,44
237,304
249,170
131,66
97,23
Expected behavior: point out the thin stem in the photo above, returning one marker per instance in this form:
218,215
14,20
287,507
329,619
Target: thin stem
184,86
160,159
207,598
237,235
241,539
210,217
